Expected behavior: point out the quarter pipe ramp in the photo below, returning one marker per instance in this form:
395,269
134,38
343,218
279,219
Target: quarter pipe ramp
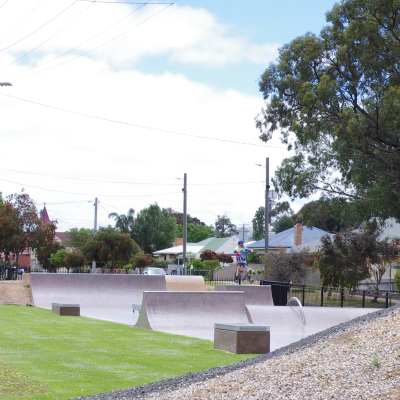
190,313
256,295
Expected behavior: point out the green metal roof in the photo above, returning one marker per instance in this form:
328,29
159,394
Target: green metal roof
215,244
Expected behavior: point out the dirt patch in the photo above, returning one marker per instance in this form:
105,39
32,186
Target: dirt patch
15,292
210,288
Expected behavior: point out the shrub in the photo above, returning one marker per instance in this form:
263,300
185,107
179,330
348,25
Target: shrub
254,258
197,264
224,258
260,271
212,264
208,255
397,279
162,263
142,260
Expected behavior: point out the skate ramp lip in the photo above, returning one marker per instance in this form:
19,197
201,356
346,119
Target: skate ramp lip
180,312
185,283
257,295
93,290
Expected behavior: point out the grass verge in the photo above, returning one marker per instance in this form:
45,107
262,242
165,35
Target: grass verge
44,356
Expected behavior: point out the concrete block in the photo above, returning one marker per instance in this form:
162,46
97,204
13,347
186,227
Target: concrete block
66,309
242,338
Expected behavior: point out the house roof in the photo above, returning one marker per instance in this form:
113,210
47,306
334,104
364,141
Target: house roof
286,238
215,244
63,236
44,216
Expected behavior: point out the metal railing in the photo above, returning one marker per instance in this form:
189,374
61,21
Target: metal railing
322,296
297,301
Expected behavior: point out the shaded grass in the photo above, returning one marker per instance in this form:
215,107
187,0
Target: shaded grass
56,357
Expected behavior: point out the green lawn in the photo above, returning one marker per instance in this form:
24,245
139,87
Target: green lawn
44,356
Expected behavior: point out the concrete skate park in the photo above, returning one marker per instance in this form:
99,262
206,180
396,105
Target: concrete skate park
182,305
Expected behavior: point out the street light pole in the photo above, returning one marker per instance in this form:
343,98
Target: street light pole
95,230
266,248
184,220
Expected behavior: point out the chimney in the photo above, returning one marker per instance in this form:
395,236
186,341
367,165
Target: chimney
298,233
178,241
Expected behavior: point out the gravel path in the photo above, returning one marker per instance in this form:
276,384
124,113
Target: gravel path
15,292
359,359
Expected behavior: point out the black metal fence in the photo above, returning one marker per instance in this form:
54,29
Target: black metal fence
322,296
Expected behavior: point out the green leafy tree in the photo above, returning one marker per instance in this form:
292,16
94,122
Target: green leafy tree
154,229
75,259
44,253
224,227
123,223
254,258
142,260
335,99
397,279
332,215
195,233
259,224
58,259
197,264
288,267
346,258
21,228
283,223
78,237
1,197
109,246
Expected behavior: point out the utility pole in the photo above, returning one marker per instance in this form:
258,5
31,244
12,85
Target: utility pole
184,220
266,249
95,230
243,233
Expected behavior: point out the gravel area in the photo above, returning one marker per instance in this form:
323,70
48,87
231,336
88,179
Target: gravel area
359,359
15,292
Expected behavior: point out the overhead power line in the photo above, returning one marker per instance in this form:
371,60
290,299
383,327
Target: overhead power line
55,34
87,194
141,126
38,29
89,51
120,2
128,183
37,5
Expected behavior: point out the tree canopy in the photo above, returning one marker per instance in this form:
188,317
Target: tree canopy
224,227
78,237
283,223
154,229
123,223
335,98
195,233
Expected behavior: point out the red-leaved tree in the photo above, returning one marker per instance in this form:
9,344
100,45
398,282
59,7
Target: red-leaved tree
225,258
208,255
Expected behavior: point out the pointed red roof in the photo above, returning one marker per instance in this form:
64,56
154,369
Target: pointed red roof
44,216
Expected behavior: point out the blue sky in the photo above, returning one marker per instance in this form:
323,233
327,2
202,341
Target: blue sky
191,69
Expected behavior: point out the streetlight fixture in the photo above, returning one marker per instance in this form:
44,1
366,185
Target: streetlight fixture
266,246
5,84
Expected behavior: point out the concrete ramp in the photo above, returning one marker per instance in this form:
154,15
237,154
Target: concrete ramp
94,291
185,283
286,322
256,295
191,313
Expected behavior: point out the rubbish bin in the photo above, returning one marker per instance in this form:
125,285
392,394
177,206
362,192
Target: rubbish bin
279,291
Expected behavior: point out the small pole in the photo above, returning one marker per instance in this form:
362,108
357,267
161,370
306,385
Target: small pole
341,297
322,296
363,299
390,284
95,230
266,249
184,220
387,300
304,286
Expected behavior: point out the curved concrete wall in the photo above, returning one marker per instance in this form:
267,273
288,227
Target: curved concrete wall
257,295
93,290
190,311
185,283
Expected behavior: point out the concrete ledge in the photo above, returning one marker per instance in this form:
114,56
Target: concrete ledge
242,338
66,309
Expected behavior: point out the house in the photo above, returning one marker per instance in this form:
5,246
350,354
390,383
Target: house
193,250
291,238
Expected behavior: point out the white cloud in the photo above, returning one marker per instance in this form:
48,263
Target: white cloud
182,34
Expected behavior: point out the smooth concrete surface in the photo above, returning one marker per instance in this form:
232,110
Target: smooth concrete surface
242,342
287,325
191,313
242,327
256,295
185,283
102,291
